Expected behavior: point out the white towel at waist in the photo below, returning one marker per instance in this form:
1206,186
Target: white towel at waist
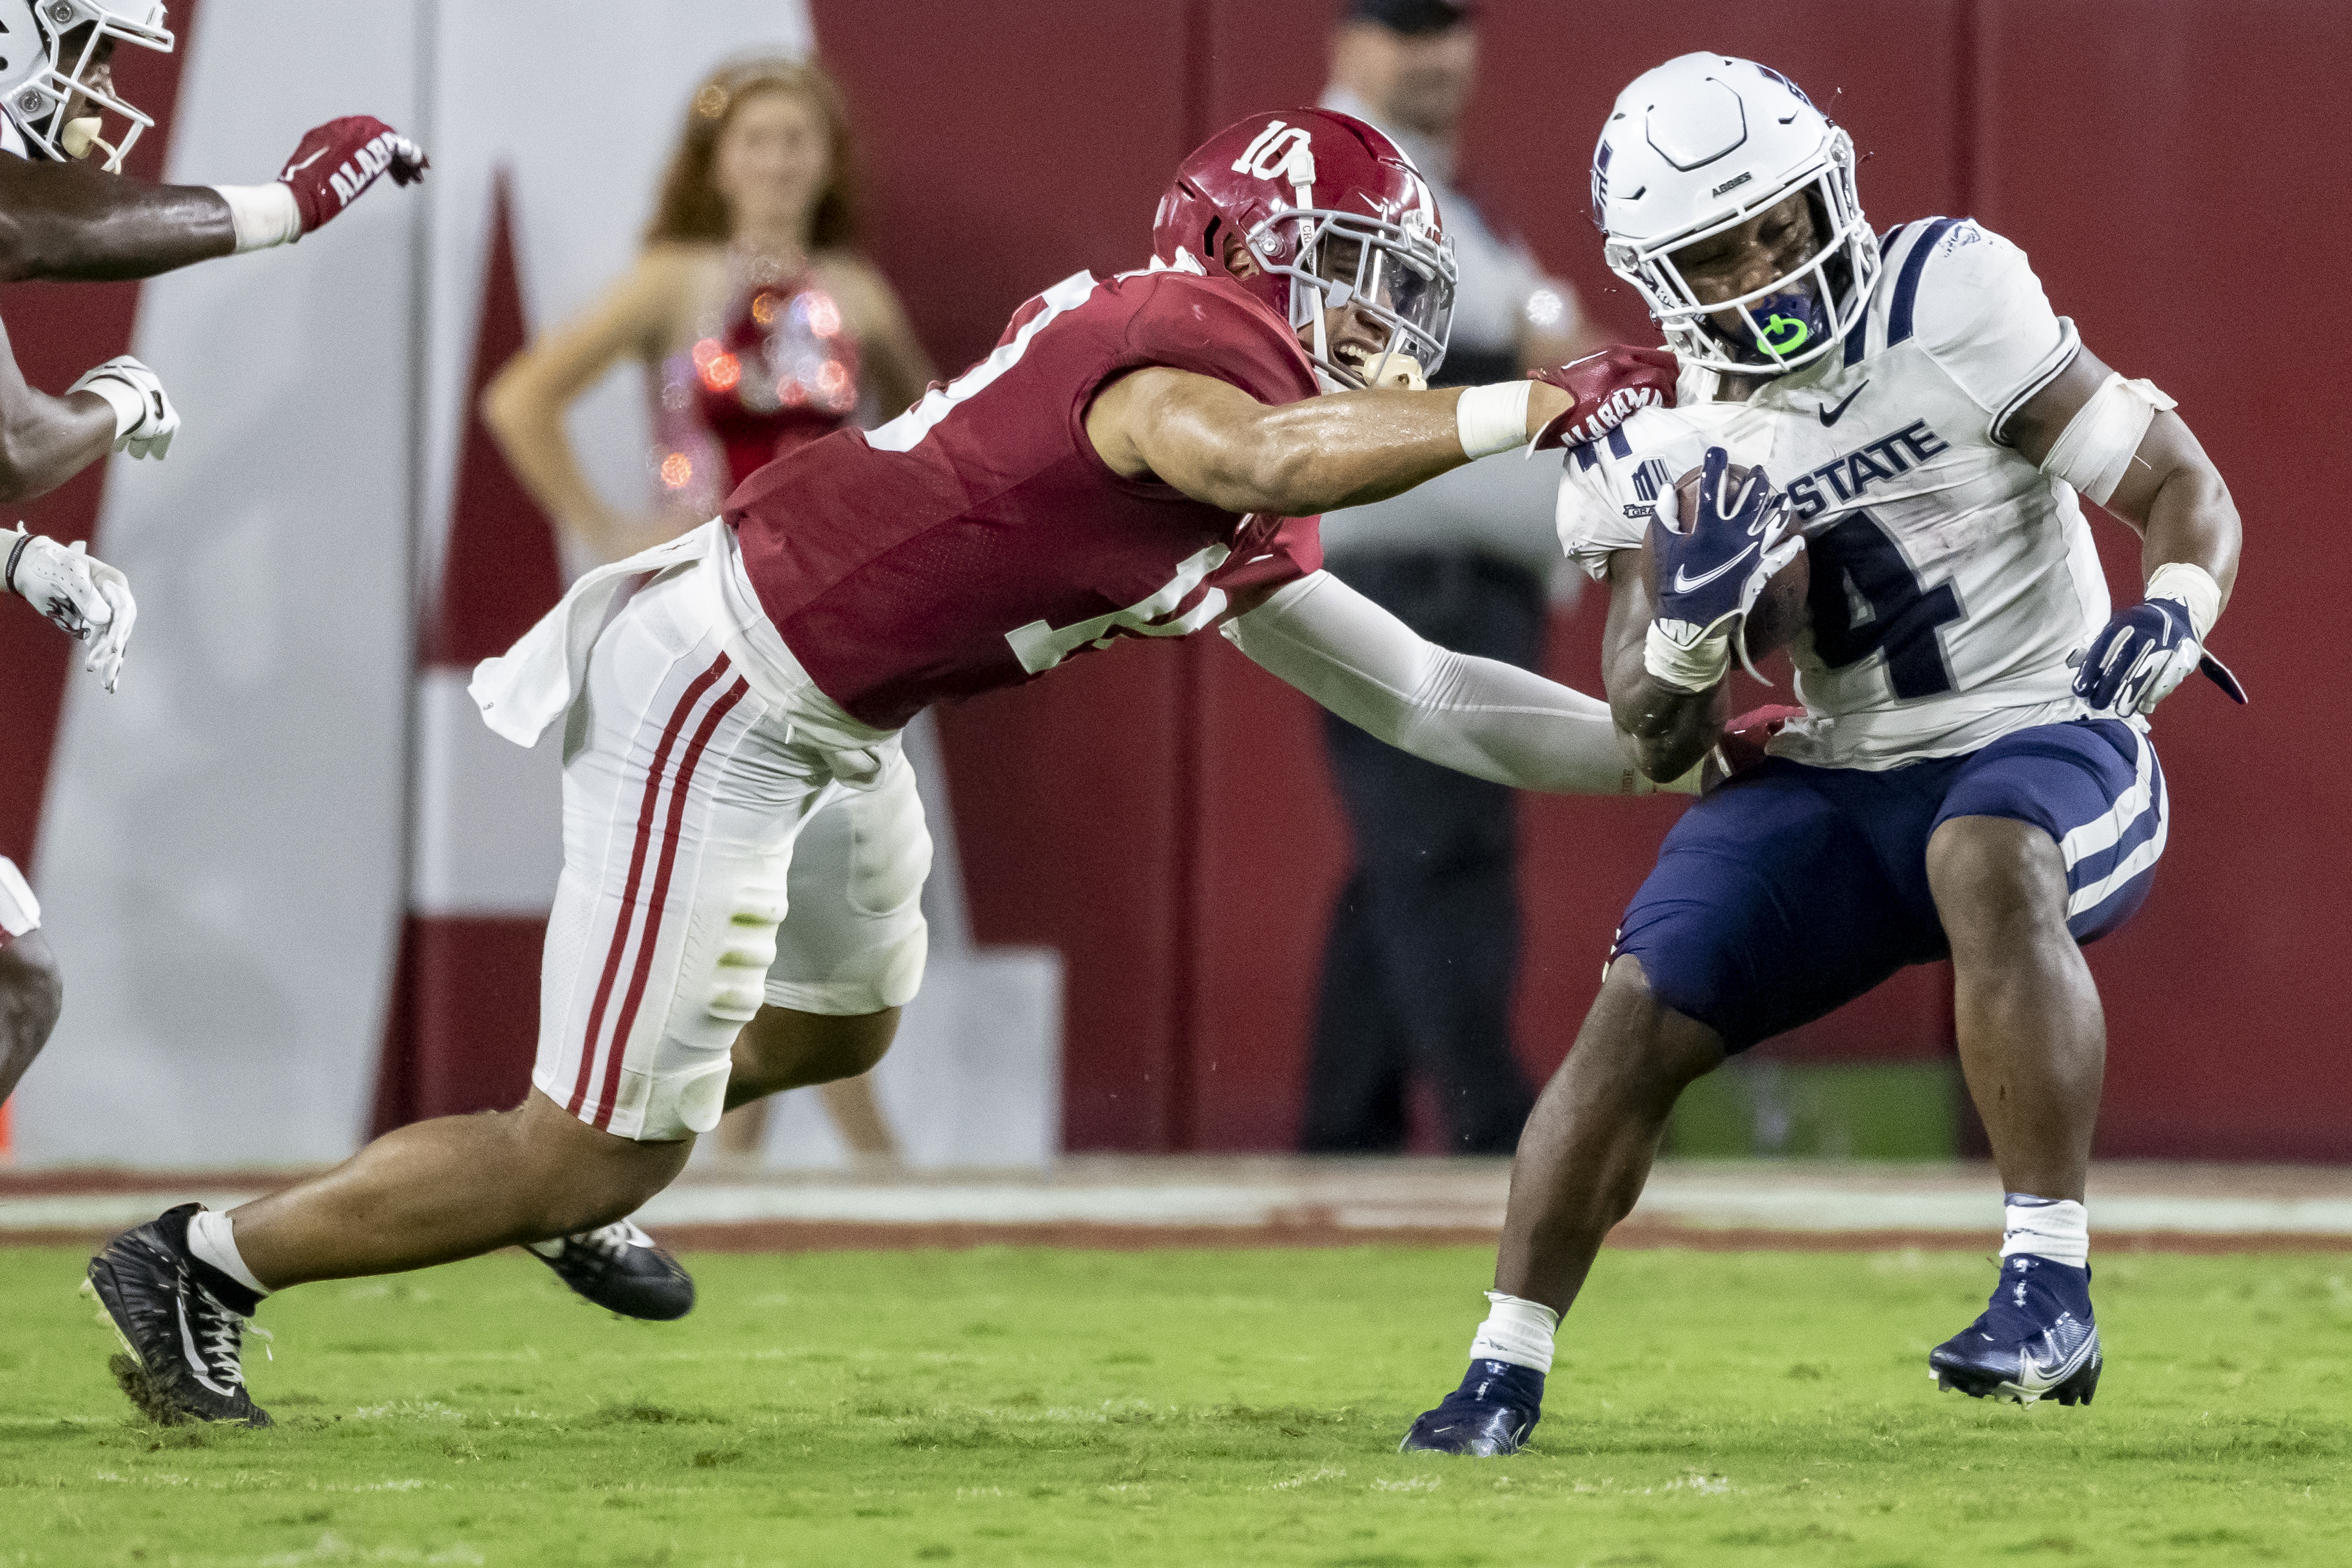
530,686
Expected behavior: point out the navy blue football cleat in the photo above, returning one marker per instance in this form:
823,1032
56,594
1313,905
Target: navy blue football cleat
1490,1415
2034,1341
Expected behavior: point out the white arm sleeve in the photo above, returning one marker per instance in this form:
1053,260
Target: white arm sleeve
1480,716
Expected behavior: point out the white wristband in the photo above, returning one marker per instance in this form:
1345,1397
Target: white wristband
1491,419
120,396
1694,666
264,214
2192,585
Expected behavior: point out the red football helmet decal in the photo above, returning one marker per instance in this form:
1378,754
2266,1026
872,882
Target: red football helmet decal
1334,215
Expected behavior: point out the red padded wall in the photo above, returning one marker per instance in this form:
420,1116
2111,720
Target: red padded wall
2177,169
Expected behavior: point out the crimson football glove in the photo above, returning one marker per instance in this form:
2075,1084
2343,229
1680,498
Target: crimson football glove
339,159
2142,654
1608,388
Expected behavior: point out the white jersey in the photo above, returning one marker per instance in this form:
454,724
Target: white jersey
1952,582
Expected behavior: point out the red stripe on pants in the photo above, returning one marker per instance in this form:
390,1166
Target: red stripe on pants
626,920
655,905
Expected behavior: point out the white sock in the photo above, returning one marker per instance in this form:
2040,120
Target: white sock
2056,1228
211,1237
1516,1331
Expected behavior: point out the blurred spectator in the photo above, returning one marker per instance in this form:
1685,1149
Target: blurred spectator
759,329
1423,948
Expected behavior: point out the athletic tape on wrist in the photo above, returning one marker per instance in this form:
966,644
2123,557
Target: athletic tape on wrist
1694,666
2192,585
2096,449
263,215
1491,419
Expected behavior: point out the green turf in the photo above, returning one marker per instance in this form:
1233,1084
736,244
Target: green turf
1193,1408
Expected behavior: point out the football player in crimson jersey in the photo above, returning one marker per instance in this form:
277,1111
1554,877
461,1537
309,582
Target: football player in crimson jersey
62,220
1141,456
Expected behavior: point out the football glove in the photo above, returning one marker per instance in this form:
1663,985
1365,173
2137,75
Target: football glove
2141,655
82,596
1608,387
144,419
1709,575
337,160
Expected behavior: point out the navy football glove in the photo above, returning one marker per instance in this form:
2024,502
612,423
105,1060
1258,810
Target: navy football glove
2141,655
1709,573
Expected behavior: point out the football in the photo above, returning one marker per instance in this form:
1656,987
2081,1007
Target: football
1779,610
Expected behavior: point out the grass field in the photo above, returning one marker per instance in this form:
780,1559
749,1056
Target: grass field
1003,1406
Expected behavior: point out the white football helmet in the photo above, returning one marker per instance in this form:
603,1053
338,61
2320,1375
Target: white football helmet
1702,145
44,68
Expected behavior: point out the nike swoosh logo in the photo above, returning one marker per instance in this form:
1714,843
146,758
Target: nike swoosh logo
1832,416
298,168
1684,584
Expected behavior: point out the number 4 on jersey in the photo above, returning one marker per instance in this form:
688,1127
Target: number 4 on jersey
1856,558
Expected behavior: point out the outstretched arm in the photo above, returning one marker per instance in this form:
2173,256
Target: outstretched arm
70,222
1482,717
1217,444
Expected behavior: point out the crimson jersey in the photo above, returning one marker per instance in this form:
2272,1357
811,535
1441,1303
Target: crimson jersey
977,540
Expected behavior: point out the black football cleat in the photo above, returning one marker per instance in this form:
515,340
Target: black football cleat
621,1270
182,1323
2035,1339
1489,1415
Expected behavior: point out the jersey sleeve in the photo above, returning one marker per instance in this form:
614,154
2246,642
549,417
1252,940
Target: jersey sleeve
1610,489
1209,326
1983,319
1589,519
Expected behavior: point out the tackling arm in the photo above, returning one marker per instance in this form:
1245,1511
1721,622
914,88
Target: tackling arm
1479,716
1219,444
1672,728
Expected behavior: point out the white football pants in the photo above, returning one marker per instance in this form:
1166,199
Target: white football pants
729,835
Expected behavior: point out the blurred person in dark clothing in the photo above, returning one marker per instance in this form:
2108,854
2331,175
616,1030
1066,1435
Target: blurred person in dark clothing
1419,966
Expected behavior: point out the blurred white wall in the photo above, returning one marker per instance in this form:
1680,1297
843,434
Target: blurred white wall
222,855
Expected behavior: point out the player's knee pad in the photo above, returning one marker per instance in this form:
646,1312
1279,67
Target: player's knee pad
890,850
747,949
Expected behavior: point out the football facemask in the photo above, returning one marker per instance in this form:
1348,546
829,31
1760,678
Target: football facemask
1699,146
1395,292
62,69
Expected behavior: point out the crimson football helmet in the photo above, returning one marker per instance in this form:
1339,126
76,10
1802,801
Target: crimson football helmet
1336,216
44,67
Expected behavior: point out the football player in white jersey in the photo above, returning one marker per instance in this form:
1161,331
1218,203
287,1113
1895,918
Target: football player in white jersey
1971,777
61,219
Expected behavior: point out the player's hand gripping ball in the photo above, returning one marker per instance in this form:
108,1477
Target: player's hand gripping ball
1773,608
1610,387
337,160
1730,555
